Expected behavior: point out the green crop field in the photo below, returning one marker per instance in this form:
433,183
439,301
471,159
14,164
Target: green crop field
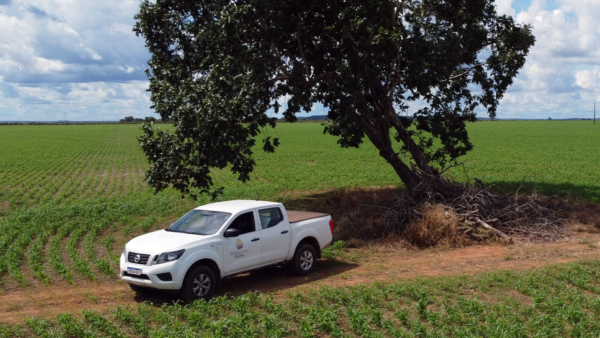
80,187
551,157
63,164
71,196
39,164
557,301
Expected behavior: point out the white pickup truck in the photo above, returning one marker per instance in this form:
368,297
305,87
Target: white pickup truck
223,239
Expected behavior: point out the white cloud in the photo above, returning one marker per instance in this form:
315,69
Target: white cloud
505,7
81,101
83,58
58,55
560,77
588,79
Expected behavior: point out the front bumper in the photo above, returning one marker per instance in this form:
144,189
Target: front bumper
149,277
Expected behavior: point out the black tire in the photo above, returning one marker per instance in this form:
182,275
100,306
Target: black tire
304,260
199,283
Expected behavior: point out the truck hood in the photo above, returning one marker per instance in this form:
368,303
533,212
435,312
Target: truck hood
163,241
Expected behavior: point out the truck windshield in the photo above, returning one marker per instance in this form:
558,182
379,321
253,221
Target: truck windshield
200,222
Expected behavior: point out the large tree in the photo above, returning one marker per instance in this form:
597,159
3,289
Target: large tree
219,66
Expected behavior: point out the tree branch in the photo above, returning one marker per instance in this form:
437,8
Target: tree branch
464,73
275,50
303,57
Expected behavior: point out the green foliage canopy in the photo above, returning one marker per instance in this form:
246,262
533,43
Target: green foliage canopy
218,67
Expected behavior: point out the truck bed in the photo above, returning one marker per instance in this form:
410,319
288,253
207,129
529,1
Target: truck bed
299,216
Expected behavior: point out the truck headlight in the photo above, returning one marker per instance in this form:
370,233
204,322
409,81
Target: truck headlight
169,256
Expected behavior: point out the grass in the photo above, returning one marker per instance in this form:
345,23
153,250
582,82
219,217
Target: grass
556,301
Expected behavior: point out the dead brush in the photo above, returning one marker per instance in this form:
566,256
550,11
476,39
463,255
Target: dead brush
584,216
436,227
443,212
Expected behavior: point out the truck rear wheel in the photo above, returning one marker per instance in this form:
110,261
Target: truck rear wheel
199,283
305,259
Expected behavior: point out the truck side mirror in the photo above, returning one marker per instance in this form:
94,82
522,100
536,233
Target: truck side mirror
232,232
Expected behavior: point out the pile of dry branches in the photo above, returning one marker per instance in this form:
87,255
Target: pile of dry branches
477,211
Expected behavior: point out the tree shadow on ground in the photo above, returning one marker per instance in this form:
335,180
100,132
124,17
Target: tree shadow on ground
563,190
341,200
338,201
268,279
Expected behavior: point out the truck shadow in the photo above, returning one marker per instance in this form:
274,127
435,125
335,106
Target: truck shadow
268,279
277,278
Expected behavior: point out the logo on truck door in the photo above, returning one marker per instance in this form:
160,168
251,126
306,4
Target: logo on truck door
240,253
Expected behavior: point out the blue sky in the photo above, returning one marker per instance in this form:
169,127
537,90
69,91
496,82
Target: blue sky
80,58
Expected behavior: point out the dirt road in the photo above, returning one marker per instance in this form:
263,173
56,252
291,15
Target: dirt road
378,263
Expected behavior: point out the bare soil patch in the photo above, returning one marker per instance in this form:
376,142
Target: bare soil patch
382,262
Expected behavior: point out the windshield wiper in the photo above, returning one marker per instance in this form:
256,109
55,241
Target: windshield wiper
191,233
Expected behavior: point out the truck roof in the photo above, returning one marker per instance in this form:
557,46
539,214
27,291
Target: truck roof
236,206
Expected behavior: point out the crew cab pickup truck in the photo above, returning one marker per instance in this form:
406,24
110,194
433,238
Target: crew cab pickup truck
223,239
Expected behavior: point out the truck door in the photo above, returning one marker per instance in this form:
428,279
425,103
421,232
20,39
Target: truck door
276,235
243,252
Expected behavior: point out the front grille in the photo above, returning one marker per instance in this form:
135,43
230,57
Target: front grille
143,258
142,276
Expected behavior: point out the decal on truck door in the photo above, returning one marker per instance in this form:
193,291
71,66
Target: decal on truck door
238,245
241,252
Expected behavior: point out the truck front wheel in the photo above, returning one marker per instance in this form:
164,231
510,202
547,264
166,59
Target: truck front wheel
199,283
304,260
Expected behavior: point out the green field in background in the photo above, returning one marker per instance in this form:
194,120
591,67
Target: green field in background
551,157
39,164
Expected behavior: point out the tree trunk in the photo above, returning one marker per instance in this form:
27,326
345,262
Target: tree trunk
384,145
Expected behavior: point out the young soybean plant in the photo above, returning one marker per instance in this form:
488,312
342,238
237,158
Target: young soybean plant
34,258
56,259
80,264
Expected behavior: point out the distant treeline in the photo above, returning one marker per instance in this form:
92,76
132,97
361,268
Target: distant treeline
125,120
20,123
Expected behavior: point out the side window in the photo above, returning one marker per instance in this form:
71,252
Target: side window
244,223
270,217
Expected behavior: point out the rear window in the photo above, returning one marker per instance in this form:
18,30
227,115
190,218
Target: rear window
270,217
200,222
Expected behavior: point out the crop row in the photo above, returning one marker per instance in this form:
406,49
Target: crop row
559,301
76,240
82,162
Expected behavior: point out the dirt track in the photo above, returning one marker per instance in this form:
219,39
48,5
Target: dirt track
374,264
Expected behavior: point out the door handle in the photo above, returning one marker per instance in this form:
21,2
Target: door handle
255,239
284,232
